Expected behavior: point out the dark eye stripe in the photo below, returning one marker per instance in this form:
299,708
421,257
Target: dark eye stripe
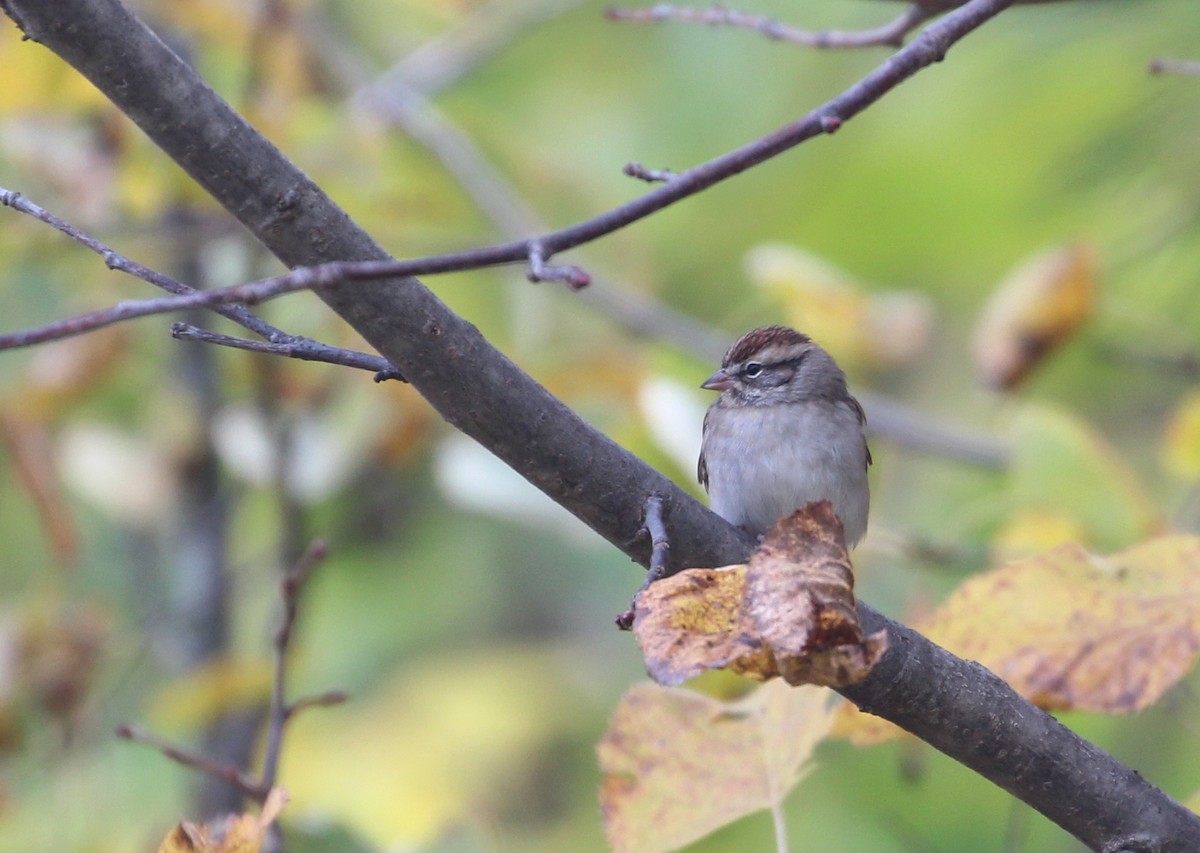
755,369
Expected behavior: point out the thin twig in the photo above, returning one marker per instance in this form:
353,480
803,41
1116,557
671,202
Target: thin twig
571,275
1175,66
321,700
280,712
891,33
241,780
655,529
296,346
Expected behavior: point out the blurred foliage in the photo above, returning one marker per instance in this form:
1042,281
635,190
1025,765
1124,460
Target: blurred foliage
469,617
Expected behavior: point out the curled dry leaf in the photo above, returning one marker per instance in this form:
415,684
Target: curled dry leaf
1032,311
790,612
678,765
243,833
1070,630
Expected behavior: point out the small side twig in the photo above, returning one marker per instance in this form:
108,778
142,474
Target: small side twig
571,275
650,176
241,780
891,33
296,346
660,547
1175,66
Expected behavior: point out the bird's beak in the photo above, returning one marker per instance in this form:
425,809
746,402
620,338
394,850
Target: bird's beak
719,381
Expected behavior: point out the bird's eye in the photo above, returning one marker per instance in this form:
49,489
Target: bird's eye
753,369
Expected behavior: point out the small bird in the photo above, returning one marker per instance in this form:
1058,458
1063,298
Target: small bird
785,431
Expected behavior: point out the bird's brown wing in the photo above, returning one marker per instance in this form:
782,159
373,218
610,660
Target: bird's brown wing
862,419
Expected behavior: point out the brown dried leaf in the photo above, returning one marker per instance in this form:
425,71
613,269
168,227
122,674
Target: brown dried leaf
678,765
31,447
790,612
1032,311
242,833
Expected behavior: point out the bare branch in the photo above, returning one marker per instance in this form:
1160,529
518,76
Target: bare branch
1175,66
295,346
891,33
322,700
655,529
572,276
241,780
280,712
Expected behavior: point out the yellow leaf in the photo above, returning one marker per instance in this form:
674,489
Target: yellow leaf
888,328
678,765
215,688
1181,442
446,740
1029,532
1033,311
1068,629
1071,631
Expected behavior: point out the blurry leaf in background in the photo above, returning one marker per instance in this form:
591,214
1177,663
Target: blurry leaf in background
1181,439
117,471
1033,531
1061,466
1070,630
788,613
1033,311
673,414
447,741
30,447
57,648
884,329
55,378
58,375
214,688
244,833
678,765
326,443
473,479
